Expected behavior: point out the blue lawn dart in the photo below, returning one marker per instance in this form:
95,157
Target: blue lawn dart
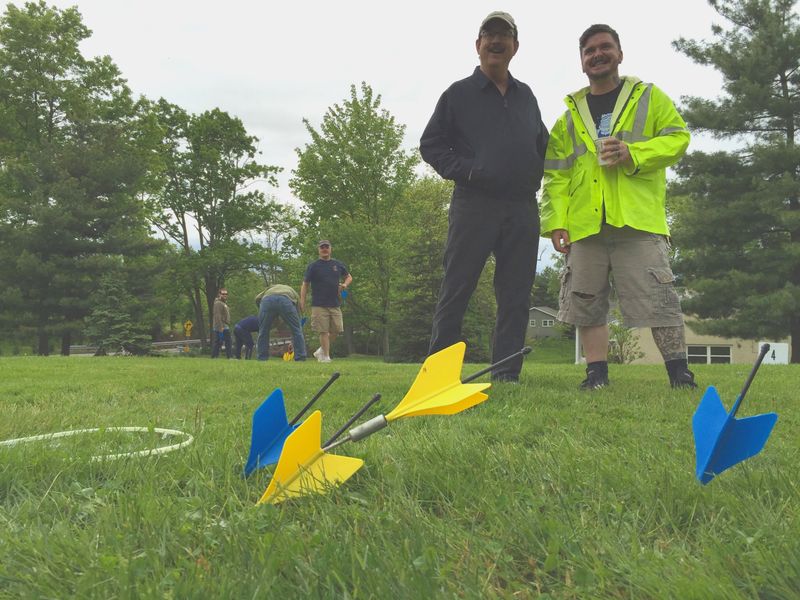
271,427
721,440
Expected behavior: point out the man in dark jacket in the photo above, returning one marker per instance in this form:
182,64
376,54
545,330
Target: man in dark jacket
486,134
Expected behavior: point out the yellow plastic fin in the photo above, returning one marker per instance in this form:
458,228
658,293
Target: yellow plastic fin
454,408
304,468
438,390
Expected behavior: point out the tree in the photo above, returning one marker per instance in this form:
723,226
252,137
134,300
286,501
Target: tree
352,177
111,324
546,288
417,286
71,162
736,214
280,240
204,198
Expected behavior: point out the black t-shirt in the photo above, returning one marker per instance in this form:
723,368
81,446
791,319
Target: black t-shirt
324,277
602,107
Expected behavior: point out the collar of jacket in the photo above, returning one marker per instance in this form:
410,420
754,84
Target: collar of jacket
484,82
632,89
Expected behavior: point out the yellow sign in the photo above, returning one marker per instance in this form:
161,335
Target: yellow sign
187,328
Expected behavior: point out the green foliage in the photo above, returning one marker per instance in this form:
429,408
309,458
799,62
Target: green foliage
353,177
546,288
71,163
541,491
111,326
203,199
623,344
242,288
736,220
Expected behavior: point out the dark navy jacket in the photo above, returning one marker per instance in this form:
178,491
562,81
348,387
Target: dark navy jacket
248,324
486,142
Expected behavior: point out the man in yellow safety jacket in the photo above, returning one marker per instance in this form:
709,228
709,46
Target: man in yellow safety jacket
603,206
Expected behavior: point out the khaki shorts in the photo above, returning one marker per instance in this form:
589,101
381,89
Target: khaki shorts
326,320
638,264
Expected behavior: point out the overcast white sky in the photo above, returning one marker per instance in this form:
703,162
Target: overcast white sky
274,63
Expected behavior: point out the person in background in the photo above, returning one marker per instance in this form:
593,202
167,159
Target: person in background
604,207
279,301
221,325
328,279
243,334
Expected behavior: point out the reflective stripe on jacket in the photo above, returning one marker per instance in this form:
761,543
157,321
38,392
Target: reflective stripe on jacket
576,187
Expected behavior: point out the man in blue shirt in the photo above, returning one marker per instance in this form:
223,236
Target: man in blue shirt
328,278
243,333
486,134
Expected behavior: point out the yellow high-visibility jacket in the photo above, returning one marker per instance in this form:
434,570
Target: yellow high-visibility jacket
576,188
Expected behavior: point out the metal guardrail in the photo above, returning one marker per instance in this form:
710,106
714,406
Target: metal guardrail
156,346
174,345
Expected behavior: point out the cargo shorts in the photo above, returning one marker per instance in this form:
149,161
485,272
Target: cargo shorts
637,262
326,319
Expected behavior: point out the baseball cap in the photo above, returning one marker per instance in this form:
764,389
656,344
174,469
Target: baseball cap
323,242
503,16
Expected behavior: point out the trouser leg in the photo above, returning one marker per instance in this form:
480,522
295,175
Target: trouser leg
266,315
292,319
228,343
237,350
471,232
516,253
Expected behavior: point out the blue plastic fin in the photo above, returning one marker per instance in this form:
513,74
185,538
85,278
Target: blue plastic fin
721,441
741,439
270,430
707,423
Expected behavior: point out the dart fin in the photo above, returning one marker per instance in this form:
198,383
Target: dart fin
270,430
437,389
722,440
304,468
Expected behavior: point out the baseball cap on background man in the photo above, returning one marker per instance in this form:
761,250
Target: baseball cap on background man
503,16
323,243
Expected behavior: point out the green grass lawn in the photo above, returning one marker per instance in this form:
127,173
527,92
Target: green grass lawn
540,491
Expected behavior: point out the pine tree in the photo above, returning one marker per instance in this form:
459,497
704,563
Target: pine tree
737,212
110,325
71,163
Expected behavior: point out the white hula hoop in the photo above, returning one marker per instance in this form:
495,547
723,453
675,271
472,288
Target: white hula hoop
150,452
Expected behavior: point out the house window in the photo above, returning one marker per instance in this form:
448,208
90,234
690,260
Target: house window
533,322
548,322
709,355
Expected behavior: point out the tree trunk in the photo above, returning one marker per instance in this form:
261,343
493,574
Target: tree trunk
348,338
44,343
199,317
794,342
66,342
385,342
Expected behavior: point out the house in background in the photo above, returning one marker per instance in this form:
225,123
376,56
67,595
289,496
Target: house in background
542,322
711,349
